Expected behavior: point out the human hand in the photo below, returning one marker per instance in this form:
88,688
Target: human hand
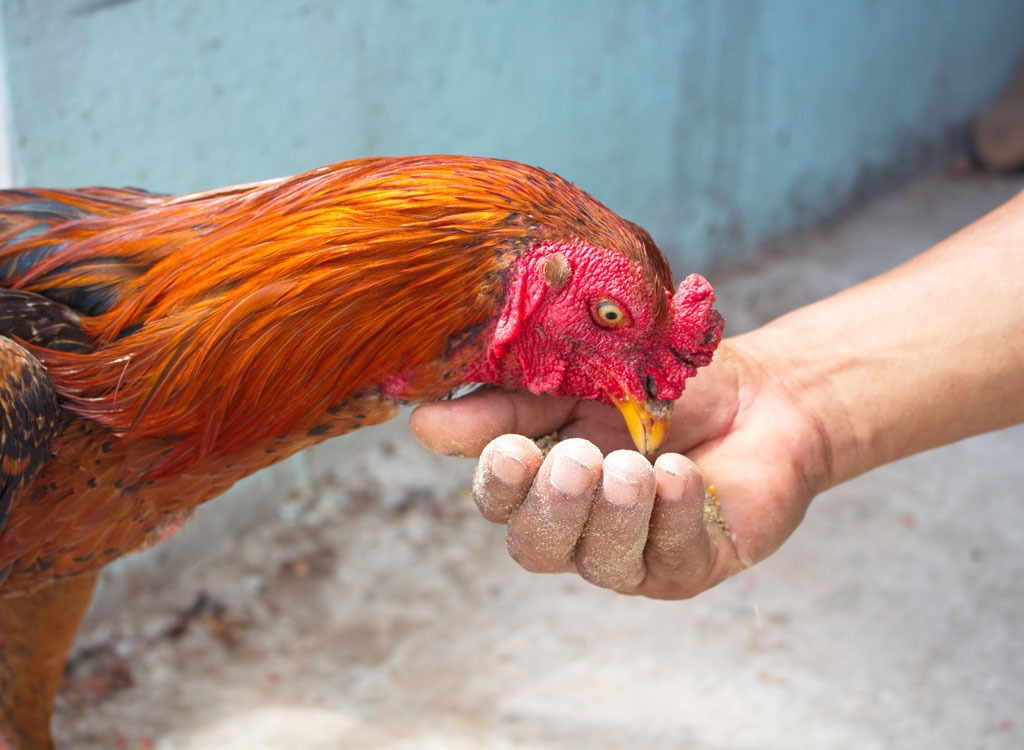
620,522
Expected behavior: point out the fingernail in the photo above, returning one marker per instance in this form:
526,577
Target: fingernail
674,465
620,490
508,469
570,477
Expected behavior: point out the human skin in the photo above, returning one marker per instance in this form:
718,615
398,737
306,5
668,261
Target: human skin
927,354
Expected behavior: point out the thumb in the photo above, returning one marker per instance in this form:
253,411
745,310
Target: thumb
464,426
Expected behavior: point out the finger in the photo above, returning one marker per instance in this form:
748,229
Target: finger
611,552
504,475
464,426
544,530
680,554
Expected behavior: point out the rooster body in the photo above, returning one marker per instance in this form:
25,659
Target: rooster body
159,348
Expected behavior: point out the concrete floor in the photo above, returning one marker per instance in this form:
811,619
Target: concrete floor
353,599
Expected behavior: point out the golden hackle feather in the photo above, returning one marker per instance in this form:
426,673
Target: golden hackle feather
229,316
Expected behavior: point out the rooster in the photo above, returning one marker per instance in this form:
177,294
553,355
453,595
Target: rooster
155,349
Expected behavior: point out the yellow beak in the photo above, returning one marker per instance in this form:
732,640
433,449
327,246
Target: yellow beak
647,422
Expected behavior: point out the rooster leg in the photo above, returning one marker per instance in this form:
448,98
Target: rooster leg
36,633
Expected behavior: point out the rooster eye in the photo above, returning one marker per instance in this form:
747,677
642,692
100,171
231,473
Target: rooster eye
609,314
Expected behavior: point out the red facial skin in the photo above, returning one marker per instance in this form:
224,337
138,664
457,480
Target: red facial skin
549,338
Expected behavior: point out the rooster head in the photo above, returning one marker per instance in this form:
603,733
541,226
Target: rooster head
599,321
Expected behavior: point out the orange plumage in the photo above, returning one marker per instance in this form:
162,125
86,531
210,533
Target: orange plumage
193,340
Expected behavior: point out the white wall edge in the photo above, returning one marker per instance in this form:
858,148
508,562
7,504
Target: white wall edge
6,129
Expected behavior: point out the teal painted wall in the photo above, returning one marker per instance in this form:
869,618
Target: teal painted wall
714,124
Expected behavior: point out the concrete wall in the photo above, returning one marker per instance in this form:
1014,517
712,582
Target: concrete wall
713,124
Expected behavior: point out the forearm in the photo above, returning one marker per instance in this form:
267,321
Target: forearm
924,355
